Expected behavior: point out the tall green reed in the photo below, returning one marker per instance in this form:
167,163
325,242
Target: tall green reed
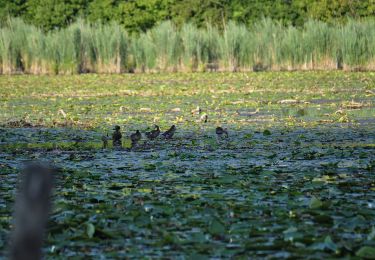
108,48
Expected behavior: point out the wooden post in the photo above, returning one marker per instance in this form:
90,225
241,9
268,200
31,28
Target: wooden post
32,209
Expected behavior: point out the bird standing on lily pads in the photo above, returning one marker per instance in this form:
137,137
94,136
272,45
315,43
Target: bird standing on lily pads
220,132
116,137
105,139
204,118
170,132
196,111
154,133
135,137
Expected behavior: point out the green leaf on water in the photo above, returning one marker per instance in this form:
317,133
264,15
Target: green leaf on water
366,252
90,230
150,167
371,236
266,132
327,244
127,143
216,228
330,244
248,136
291,234
315,203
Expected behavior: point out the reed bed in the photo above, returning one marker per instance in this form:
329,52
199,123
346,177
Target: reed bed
107,48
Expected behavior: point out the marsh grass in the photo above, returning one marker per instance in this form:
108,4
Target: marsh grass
108,48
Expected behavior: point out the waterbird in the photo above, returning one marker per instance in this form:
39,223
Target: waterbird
204,118
116,137
221,131
197,110
154,133
105,139
136,137
170,132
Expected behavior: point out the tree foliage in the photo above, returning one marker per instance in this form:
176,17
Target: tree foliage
140,15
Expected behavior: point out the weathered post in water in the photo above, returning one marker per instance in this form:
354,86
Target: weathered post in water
32,208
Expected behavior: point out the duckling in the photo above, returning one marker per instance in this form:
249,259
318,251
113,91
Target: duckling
136,137
116,137
169,133
204,118
196,111
154,133
221,131
105,139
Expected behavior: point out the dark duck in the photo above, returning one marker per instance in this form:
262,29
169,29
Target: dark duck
170,132
154,133
221,132
105,139
116,137
135,138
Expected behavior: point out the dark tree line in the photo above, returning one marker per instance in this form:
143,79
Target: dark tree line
140,15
